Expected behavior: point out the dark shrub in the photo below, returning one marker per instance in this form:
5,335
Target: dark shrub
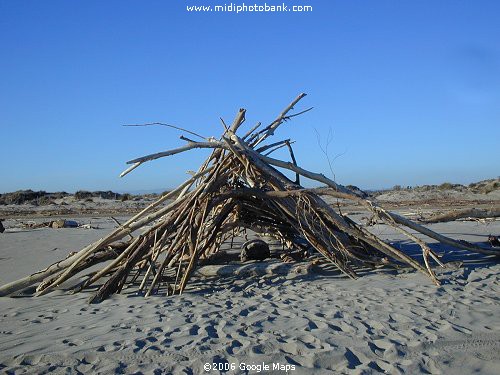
83,194
125,197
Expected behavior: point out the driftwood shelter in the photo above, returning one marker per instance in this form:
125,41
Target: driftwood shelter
238,187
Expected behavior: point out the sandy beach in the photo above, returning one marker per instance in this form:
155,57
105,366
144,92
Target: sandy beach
262,320
194,187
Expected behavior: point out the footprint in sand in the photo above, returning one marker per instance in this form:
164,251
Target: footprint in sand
141,343
72,343
90,359
310,325
352,359
211,331
194,330
30,360
235,347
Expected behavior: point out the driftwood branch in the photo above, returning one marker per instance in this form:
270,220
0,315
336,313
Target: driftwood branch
475,213
170,126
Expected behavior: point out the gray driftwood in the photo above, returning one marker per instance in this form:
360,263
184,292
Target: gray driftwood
474,213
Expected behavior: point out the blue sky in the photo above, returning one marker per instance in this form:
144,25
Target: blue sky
410,90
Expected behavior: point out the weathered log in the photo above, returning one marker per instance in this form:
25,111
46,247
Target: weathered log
476,213
254,250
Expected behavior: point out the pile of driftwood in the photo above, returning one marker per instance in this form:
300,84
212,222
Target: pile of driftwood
237,187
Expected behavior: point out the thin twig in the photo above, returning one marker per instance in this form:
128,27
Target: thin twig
170,126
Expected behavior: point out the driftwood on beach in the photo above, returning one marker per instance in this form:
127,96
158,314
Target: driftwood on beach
238,187
465,213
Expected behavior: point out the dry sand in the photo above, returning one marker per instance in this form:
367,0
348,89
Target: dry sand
386,321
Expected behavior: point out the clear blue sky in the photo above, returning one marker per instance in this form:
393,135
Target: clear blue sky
409,89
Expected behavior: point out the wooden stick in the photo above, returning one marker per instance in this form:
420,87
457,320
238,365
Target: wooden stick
297,176
269,130
168,125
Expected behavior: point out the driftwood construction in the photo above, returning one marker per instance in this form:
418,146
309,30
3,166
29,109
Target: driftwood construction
237,187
